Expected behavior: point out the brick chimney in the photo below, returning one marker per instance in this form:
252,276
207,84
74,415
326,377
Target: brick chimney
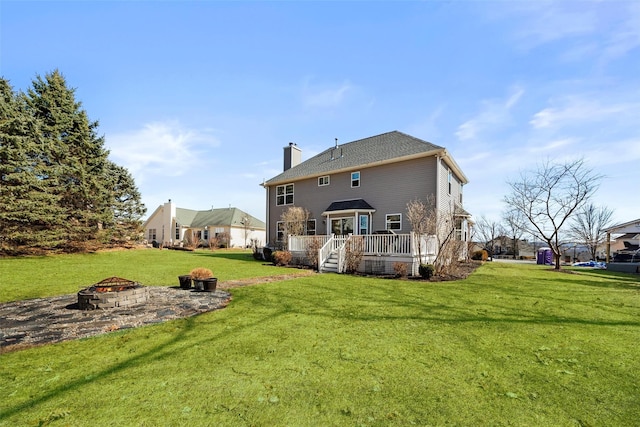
292,156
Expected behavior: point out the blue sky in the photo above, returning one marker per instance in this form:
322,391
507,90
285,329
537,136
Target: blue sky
198,99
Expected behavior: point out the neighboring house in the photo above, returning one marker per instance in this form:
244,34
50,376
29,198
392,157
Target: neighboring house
172,226
364,186
626,247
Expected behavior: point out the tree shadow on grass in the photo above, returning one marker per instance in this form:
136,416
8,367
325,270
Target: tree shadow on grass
158,352
388,304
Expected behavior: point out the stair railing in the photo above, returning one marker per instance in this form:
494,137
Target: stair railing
325,251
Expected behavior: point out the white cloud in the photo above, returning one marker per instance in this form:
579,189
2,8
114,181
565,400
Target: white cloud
572,110
325,96
625,36
550,21
159,147
494,114
428,127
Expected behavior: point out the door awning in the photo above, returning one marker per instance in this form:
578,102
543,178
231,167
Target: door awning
348,207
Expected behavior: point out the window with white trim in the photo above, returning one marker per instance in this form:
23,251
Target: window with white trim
323,180
449,176
284,194
177,231
311,227
461,185
279,231
393,221
152,234
355,179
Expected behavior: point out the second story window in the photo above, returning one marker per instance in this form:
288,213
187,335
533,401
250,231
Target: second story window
323,180
461,193
355,179
449,180
284,194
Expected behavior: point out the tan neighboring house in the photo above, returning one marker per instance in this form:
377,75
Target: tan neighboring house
169,225
363,188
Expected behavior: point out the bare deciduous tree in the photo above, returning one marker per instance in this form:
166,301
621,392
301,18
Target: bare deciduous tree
588,224
294,220
514,226
246,224
487,232
427,219
548,196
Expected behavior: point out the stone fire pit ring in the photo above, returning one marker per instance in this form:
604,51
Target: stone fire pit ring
112,292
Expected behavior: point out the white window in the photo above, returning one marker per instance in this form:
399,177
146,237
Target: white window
393,222
323,180
279,231
206,234
152,234
311,227
284,194
355,179
449,181
363,224
461,185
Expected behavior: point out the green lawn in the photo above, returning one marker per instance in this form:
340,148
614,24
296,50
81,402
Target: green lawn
35,277
512,345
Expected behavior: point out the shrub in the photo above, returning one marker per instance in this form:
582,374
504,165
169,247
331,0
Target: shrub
281,258
311,252
481,255
400,268
354,252
426,271
201,273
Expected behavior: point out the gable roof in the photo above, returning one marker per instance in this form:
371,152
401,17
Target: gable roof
626,227
388,147
349,204
222,217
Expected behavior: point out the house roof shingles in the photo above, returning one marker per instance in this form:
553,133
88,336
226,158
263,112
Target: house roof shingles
221,217
359,204
387,147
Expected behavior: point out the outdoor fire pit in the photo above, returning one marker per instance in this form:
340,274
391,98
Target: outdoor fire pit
112,292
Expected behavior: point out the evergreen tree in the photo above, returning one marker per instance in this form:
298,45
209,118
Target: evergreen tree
30,217
77,156
126,204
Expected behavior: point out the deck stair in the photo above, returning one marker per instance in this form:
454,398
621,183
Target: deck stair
331,264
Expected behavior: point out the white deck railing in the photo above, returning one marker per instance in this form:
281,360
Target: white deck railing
374,244
422,250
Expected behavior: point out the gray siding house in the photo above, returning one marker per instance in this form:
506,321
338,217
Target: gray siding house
363,187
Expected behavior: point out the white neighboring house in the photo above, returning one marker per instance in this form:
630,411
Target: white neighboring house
172,226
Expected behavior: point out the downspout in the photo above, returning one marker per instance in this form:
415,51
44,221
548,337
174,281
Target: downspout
437,194
268,233
436,198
